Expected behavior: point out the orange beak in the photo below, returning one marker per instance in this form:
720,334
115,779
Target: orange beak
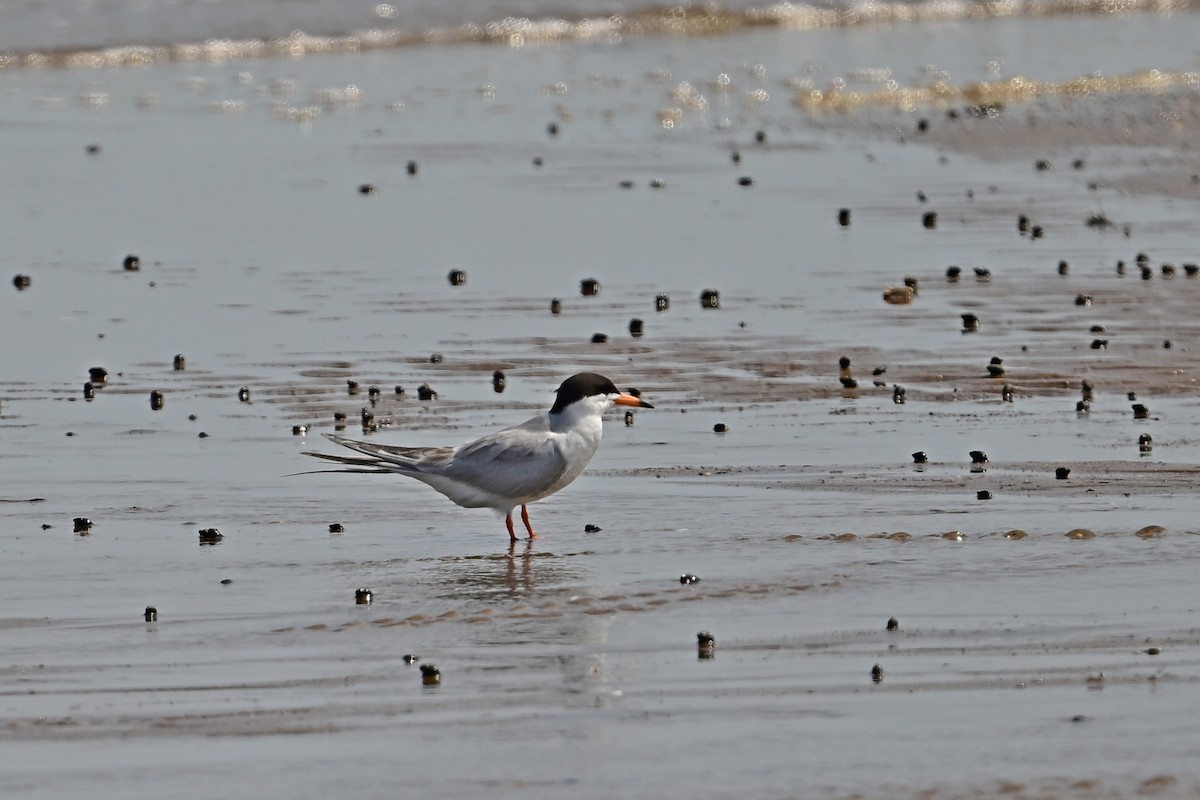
630,400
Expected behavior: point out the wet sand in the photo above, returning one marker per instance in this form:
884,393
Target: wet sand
1054,664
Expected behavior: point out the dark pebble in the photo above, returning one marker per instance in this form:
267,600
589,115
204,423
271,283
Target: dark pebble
430,675
210,536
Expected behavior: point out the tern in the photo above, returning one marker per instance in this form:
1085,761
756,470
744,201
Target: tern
511,467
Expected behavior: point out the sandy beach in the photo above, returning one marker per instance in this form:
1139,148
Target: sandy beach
287,247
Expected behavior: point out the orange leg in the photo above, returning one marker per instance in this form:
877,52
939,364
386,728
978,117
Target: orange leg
512,535
525,519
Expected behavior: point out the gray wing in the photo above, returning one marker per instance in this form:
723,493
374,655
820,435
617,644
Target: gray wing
522,462
381,458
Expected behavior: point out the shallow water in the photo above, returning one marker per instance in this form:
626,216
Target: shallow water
566,661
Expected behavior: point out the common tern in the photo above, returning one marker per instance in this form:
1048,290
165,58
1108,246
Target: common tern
511,467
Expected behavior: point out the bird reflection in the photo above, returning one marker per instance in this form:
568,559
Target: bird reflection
520,573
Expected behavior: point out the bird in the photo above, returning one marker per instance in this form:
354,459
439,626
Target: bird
508,468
